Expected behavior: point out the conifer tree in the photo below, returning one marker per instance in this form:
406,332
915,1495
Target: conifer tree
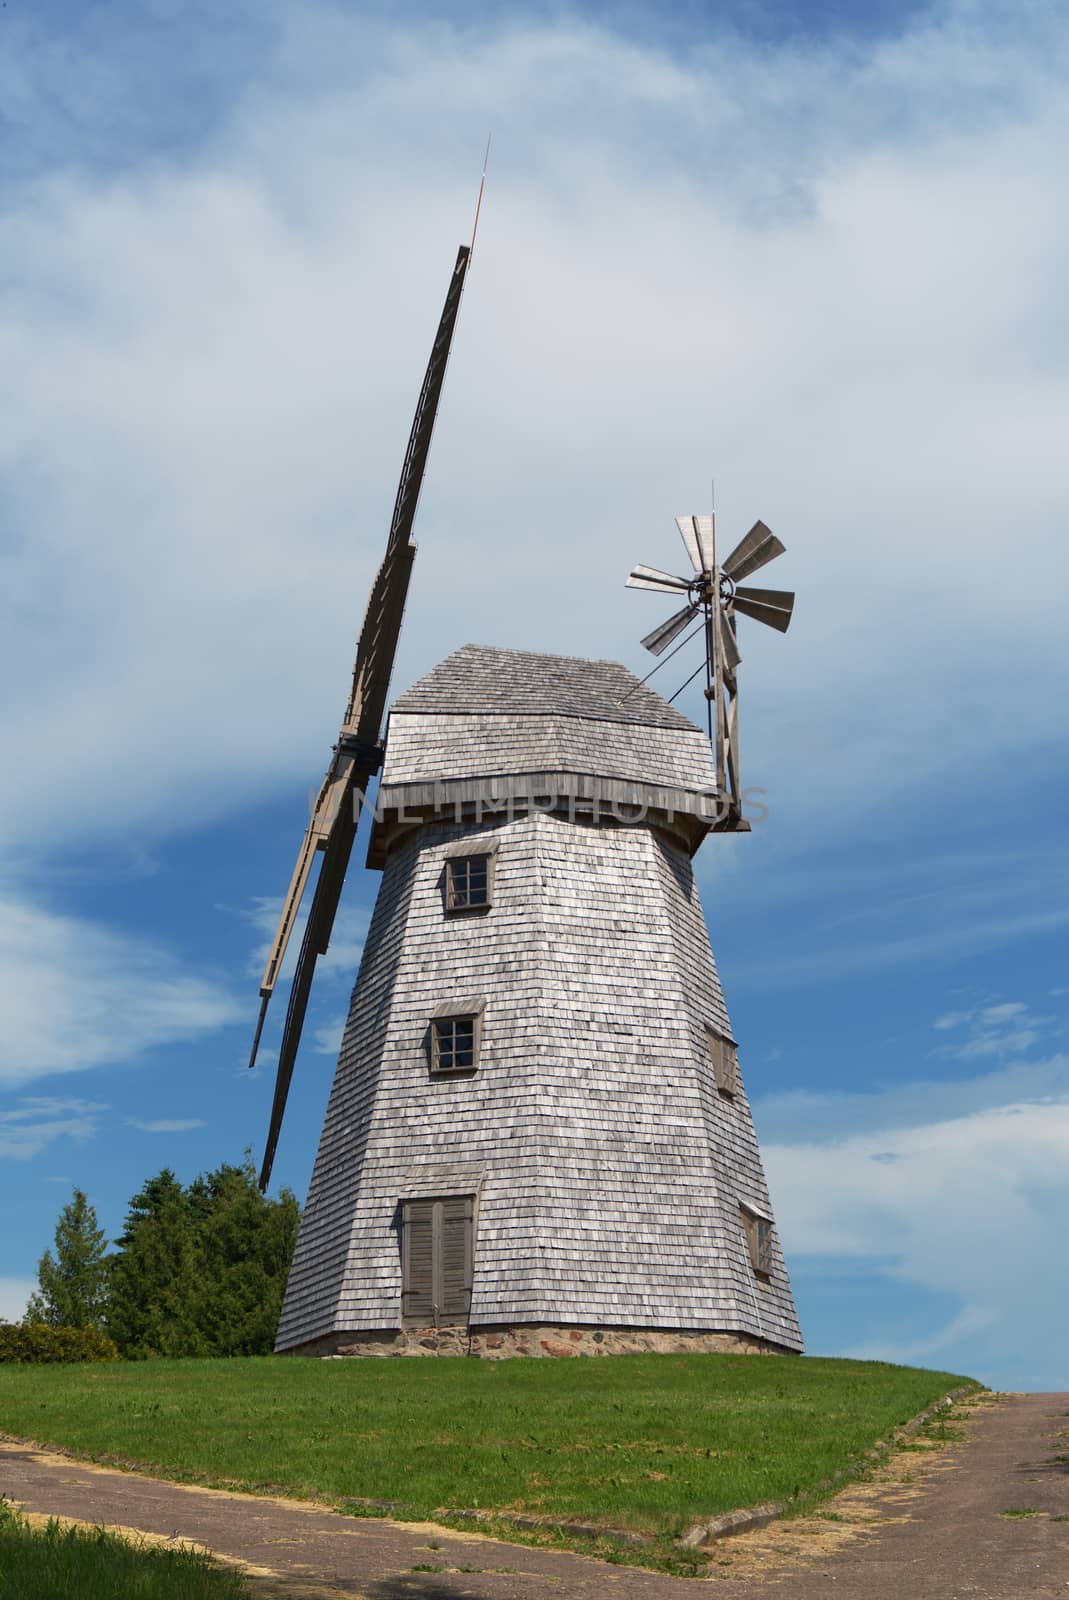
245,1245
73,1283
202,1270
154,1274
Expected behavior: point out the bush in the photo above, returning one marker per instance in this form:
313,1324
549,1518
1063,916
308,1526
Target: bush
37,1342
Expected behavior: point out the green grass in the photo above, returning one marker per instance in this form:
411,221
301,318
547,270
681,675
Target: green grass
90,1564
646,1442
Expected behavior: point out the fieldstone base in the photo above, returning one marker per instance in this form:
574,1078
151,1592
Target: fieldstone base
499,1343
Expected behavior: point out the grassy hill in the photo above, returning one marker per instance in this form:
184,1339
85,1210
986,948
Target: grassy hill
646,1442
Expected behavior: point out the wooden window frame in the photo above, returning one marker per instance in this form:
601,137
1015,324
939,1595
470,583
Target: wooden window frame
724,1059
443,1029
437,1287
758,1230
454,904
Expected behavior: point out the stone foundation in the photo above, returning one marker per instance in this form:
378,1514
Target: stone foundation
499,1343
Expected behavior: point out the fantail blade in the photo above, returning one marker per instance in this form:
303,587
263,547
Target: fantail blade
662,637
652,578
697,535
772,606
759,547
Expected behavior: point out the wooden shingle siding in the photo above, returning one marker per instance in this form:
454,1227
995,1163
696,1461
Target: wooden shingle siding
609,1169
547,744
484,681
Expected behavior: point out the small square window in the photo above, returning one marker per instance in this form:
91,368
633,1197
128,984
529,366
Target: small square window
758,1231
467,883
724,1055
455,1042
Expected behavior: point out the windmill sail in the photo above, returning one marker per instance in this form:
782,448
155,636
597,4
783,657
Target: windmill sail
358,753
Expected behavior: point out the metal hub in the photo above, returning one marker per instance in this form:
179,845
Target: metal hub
701,590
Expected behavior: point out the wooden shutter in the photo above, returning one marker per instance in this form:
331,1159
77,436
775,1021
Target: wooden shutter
758,1241
725,1062
437,1259
417,1259
455,1257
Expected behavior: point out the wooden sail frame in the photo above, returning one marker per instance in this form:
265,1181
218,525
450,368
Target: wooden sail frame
358,753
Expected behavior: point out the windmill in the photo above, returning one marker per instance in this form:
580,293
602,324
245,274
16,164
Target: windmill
538,1140
715,590
357,756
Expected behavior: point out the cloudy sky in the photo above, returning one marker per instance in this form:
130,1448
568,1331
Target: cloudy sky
816,254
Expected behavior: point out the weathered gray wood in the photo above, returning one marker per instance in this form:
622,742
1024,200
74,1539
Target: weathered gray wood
455,1258
755,550
641,577
729,645
699,537
417,1254
773,607
356,755
659,640
605,1170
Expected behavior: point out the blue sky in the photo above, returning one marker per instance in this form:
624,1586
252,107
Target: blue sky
817,251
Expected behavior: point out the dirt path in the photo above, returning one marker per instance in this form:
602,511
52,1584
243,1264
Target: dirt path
932,1524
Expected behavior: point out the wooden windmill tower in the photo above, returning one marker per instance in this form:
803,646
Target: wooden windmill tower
538,1139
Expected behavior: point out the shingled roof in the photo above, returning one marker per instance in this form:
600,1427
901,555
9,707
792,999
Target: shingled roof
478,679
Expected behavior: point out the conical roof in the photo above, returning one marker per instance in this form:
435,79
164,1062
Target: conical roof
489,725
479,679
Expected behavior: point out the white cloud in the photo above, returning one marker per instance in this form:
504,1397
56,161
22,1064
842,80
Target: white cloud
169,1125
1009,1028
993,1016
14,1293
208,366
819,1116
78,995
326,1041
969,1206
36,1123
211,373
32,1107
26,1140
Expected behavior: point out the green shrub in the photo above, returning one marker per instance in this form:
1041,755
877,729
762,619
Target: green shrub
37,1342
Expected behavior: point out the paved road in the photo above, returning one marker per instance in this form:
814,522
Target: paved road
944,1535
